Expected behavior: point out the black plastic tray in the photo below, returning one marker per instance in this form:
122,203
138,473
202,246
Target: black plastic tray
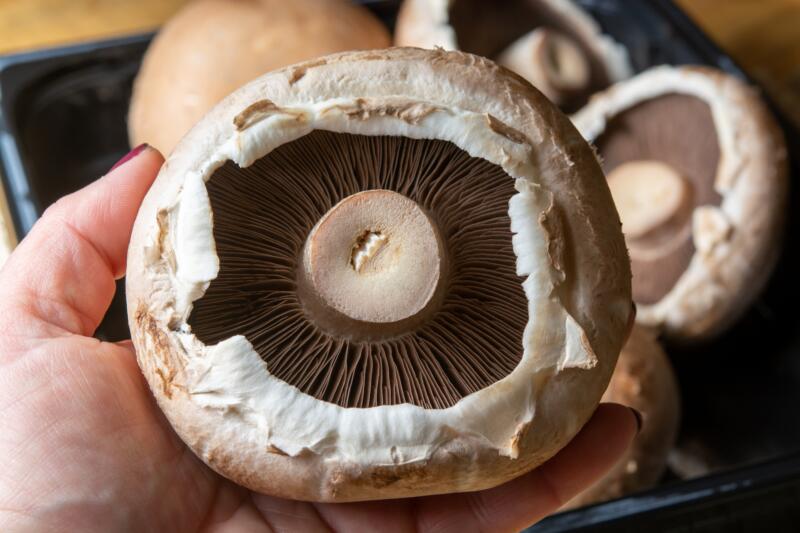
62,124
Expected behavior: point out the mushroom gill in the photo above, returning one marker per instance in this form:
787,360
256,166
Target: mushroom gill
526,35
661,158
466,336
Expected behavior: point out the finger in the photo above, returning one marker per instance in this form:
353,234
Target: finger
527,499
390,516
63,272
291,515
592,453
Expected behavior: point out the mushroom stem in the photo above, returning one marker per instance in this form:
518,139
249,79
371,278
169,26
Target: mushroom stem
374,257
649,195
552,61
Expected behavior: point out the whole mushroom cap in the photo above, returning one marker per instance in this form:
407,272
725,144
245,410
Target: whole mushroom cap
253,313
698,169
211,47
644,379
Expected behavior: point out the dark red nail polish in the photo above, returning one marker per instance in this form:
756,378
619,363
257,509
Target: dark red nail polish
639,419
130,155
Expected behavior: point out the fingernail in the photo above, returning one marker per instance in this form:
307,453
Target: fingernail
130,155
639,419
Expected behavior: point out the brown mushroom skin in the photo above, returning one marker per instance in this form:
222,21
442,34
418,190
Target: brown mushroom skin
212,47
644,380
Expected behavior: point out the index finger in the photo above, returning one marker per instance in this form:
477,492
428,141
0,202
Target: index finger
63,272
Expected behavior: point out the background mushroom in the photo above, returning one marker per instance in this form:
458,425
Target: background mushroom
379,309
552,43
644,379
211,47
697,167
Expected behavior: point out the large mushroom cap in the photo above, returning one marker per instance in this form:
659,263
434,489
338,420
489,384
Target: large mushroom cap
644,379
553,44
697,166
378,275
212,47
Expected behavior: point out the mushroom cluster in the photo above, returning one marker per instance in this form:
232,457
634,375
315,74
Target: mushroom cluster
554,44
377,275
211,47
698,170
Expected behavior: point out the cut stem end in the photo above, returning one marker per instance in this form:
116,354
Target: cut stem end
374,257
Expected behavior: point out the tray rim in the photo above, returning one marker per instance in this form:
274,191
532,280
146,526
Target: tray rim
73,49
23,211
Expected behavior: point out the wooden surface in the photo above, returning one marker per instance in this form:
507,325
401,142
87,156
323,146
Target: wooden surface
763,35
26,24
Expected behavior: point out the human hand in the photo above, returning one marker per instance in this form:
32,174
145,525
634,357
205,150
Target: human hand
85,448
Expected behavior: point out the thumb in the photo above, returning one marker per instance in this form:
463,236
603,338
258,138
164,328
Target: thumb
63,272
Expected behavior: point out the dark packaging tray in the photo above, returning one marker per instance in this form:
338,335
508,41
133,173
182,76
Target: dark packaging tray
62,124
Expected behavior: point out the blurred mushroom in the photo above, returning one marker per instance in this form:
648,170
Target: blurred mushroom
212,47
697,167
551,61
693,458
552,43
644,380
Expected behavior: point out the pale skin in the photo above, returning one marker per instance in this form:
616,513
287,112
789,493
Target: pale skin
85,448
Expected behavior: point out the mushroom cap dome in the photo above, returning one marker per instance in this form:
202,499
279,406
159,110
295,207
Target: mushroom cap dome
211,47
696,277
235,400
